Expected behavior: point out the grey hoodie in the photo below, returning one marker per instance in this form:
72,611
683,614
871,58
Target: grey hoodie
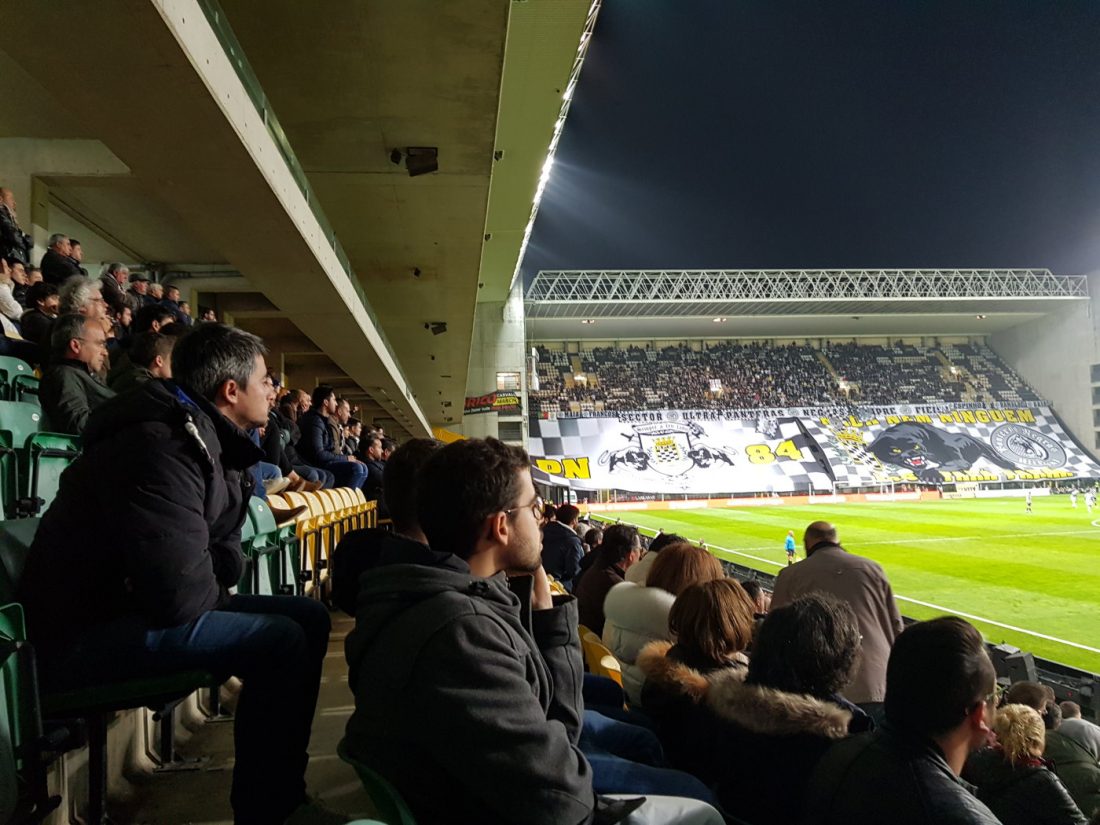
472,715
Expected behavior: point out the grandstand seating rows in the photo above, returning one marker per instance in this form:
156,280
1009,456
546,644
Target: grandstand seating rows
761,375
35,729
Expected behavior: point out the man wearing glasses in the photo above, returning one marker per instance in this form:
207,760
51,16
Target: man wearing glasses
71,387
468,682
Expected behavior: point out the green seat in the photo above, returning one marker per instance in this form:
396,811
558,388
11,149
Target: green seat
18,422
277,547
48,455
25,388
388,804
11,367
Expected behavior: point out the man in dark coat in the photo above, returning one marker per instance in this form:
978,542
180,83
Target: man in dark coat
940,694
114,292
621,548
14,242
130,569
71,387
316,445
57,264
562,550
467,702
372,460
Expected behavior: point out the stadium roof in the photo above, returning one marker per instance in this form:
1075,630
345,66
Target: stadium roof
804,303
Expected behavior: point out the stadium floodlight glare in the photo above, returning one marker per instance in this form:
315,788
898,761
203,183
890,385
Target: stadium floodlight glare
567,98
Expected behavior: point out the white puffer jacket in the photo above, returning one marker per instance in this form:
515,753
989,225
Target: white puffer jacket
635,616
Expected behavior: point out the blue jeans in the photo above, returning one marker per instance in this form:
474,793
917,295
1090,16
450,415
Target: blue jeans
348,473
626,759
275,644
261,472
327,479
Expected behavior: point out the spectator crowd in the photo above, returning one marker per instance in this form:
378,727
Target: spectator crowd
755,375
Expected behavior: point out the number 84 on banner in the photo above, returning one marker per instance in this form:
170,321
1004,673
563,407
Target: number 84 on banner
763,453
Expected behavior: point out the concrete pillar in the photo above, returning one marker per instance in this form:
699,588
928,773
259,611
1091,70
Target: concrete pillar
499,345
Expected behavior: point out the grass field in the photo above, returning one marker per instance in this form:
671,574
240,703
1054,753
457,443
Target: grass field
1038,573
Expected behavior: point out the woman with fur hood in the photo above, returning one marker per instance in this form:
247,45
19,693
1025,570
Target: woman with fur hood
754,734
635,615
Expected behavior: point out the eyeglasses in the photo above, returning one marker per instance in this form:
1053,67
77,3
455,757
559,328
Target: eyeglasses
535,507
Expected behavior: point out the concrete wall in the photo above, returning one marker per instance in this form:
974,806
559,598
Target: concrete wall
1054,355
499,345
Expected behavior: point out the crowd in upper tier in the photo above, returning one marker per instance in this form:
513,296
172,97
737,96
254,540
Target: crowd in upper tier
759,375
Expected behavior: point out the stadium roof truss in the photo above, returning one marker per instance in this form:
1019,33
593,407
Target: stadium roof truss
670,293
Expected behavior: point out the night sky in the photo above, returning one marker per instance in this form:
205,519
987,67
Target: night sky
768,134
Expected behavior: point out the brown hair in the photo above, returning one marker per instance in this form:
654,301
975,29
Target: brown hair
1020,732
712,619
681,565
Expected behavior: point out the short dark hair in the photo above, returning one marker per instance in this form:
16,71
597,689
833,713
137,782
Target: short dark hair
663,540
320,395
211,354
174,329
752,588
64,330
938,671
593,537
150,314
148,345
169,287
399,480
40,292
354,422
388,444
808,646
618,542
568,512
462,485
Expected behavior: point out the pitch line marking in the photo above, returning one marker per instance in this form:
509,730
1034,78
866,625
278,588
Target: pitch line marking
993,622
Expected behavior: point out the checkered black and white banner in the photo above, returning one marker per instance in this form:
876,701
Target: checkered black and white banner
676,455
676,452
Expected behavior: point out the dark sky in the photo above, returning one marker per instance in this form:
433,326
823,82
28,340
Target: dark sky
889,133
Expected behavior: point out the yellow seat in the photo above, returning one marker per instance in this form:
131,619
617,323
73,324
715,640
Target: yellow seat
309,528
351,508
600,660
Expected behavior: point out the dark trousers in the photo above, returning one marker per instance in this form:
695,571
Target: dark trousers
274,644
348,473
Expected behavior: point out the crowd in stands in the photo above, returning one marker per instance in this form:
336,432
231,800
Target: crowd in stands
762,375
817,705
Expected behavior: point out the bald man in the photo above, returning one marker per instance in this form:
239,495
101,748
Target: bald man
860,582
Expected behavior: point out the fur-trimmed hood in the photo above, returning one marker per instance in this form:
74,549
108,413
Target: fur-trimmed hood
755,708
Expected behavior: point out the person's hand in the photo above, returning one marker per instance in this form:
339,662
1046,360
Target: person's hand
540,592
293,476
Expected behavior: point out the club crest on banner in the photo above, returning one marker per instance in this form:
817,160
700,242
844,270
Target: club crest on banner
668,448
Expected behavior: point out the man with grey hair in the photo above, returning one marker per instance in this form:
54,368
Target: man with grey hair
58,264
130,570
82,296
14,242
156,291
71,387
113,286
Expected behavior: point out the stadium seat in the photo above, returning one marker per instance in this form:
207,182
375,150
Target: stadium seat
311,532
600,660
25,388
388,804
48,455
18,422
10,368
94,705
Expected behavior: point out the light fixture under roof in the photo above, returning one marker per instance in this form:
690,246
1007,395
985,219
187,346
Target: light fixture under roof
980,317
718,320
588,321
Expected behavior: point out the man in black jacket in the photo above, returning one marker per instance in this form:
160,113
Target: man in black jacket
157,500
940,694
57,264
71,387
14,242
316,445
562,550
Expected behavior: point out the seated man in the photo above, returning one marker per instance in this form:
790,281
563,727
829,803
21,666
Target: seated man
157,501
71,387
149,356
468,702
317,447
562,550
37,321
621,549
940,694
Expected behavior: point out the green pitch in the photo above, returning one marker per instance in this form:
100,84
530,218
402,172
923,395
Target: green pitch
1037,572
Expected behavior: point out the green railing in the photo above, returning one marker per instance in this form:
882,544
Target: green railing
224,32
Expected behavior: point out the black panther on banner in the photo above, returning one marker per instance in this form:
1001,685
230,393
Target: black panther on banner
926,450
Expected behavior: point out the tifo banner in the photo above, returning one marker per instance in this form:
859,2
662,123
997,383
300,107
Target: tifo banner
498,402
676,456
673,452
962,445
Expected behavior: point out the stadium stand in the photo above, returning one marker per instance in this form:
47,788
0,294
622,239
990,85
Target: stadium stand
765,375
